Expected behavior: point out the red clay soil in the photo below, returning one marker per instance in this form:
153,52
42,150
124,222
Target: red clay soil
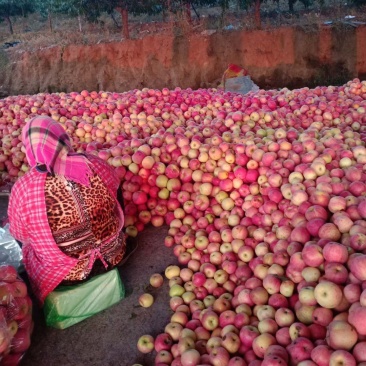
284,57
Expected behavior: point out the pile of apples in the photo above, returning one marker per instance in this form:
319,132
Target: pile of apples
265,198
16,324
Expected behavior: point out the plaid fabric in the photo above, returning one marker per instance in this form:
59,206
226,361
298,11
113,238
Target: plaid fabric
46,142
44,262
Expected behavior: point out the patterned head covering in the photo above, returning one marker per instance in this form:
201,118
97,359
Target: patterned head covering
47,143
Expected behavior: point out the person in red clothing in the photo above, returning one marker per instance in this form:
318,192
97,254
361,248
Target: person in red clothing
65,211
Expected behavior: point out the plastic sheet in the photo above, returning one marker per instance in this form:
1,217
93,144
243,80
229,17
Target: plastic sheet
241,85
69,305
10,251
236,80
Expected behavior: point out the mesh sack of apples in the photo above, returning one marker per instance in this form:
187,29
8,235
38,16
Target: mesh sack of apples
16,324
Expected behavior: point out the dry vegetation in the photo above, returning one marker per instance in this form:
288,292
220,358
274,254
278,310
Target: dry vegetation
33,33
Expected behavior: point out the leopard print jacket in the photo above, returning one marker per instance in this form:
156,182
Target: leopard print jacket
82,218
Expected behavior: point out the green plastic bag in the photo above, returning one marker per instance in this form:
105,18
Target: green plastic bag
68,305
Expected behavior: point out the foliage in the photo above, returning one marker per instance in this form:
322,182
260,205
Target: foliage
13,8
89,9
47,7
244,4
359,2
135,7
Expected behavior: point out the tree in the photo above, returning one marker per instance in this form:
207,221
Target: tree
306,3
13,8
185,6
88,9
245,4
126,7
359,2
48,8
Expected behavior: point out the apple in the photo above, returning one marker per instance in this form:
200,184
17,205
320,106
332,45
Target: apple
259,296
190,357
267,326
237,361
342,358
26,322
352,292
307,296
174,330
213,342
335,252
247,334
262,342
272,284
19,308
8,273
172,271
6,293
185,343
146,300
221,276
341,335
21,341
163,357
321,355
328,294
311,274
273,361
357,266
13,327
145,344
357,318
156,280
176,290
336,204
163,341
12,359
287,288
329,231
231,342
359,352
210,320
219,356
300,350
312,255
322,316
284,317
297,330
227,317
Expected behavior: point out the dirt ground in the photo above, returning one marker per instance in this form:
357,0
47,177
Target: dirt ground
110,338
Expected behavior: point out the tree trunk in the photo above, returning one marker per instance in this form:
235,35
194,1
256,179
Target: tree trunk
195,11
114,20
124,16
50,21
79,20
10,25
222,17
291,5
169,10
257,13
188,11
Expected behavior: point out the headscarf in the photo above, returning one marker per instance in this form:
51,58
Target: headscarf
47,143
